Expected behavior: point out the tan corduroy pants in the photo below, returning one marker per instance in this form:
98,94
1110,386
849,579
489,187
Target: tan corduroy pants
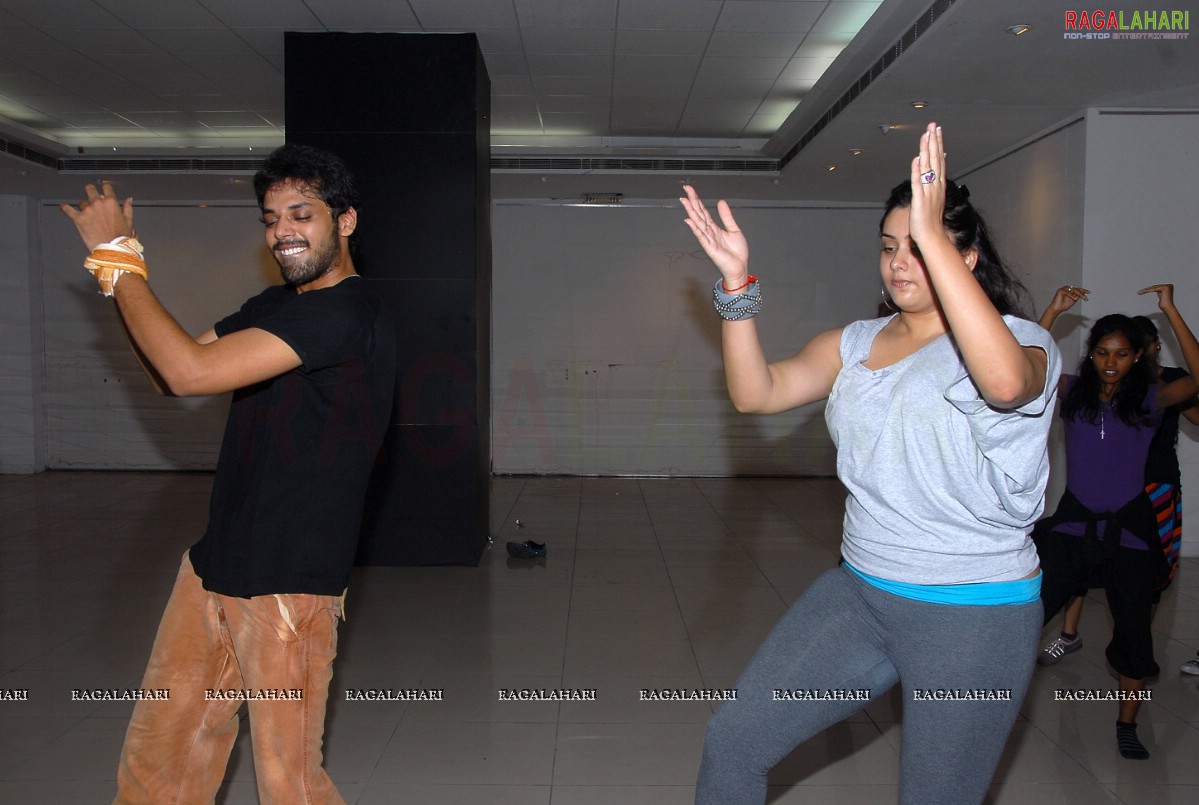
212,653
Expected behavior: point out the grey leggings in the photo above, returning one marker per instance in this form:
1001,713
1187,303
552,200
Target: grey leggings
845,635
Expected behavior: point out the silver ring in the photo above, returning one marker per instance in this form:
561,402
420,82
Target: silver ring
928,178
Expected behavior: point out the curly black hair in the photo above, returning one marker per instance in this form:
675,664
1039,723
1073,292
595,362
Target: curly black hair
1006,292
1128,403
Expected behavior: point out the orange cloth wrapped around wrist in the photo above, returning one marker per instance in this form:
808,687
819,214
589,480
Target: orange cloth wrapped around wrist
109,261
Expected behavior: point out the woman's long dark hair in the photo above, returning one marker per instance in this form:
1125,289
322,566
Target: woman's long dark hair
1128,403
1007,294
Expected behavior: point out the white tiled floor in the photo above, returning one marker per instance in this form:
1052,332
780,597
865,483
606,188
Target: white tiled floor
648,583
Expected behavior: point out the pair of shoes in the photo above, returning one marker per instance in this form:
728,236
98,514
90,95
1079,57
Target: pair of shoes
1191,667
526,550
1059,648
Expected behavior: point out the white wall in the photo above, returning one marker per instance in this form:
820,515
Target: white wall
606,349
22,426
1142,203
100,411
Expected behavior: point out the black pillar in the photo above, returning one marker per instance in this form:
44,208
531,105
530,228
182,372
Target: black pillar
409,113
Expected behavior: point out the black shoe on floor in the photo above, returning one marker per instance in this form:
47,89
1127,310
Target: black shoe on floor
526,550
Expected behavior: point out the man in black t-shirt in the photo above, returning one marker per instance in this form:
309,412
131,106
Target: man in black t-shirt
253,614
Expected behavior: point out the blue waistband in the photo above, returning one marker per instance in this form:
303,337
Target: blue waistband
982,594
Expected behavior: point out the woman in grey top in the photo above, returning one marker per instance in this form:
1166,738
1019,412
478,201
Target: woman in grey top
940,414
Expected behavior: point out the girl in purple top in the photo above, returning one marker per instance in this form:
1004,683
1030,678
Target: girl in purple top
1104,533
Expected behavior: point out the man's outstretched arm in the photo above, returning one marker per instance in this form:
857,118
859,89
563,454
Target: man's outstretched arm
187,366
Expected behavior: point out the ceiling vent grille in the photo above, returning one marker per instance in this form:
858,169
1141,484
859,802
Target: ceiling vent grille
918,29
148,165
603,198
634,164
28,154
114,165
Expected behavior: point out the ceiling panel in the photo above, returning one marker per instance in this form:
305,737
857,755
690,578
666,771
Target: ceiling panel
641,86
570,125
823,45
669,15
657,67
711,122
197,40
575,105
160,13
731,88
464,14
807,69
161,121
276,14
659,118
511,85
738,44
591,66
847,16
361,15
97,120
741,68
61,14
247,67
566,13
267,41
662,43
192,53
497,40
143,69
115,41
229,118
507,66
572,85
566,41
52,106
769,15
595,77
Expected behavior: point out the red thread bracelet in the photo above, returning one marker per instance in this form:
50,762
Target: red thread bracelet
749,281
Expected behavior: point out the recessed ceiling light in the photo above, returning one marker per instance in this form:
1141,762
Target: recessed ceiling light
857,152
830,168
1017,30
918,104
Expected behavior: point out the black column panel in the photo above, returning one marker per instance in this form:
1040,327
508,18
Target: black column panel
409,113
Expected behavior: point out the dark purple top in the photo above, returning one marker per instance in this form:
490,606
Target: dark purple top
1105,462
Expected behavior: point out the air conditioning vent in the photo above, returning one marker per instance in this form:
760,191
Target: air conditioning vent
918,29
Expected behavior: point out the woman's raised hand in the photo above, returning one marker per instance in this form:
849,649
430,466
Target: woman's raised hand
726,245
1165,294
1066,296
928,188
1063,299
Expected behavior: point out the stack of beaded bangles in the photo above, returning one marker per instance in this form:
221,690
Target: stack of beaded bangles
735,307
109,261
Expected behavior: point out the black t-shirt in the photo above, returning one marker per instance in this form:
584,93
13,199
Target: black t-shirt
298,448
1162,465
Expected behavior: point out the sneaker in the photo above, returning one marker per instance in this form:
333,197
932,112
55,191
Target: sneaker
1059,648
1191,667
